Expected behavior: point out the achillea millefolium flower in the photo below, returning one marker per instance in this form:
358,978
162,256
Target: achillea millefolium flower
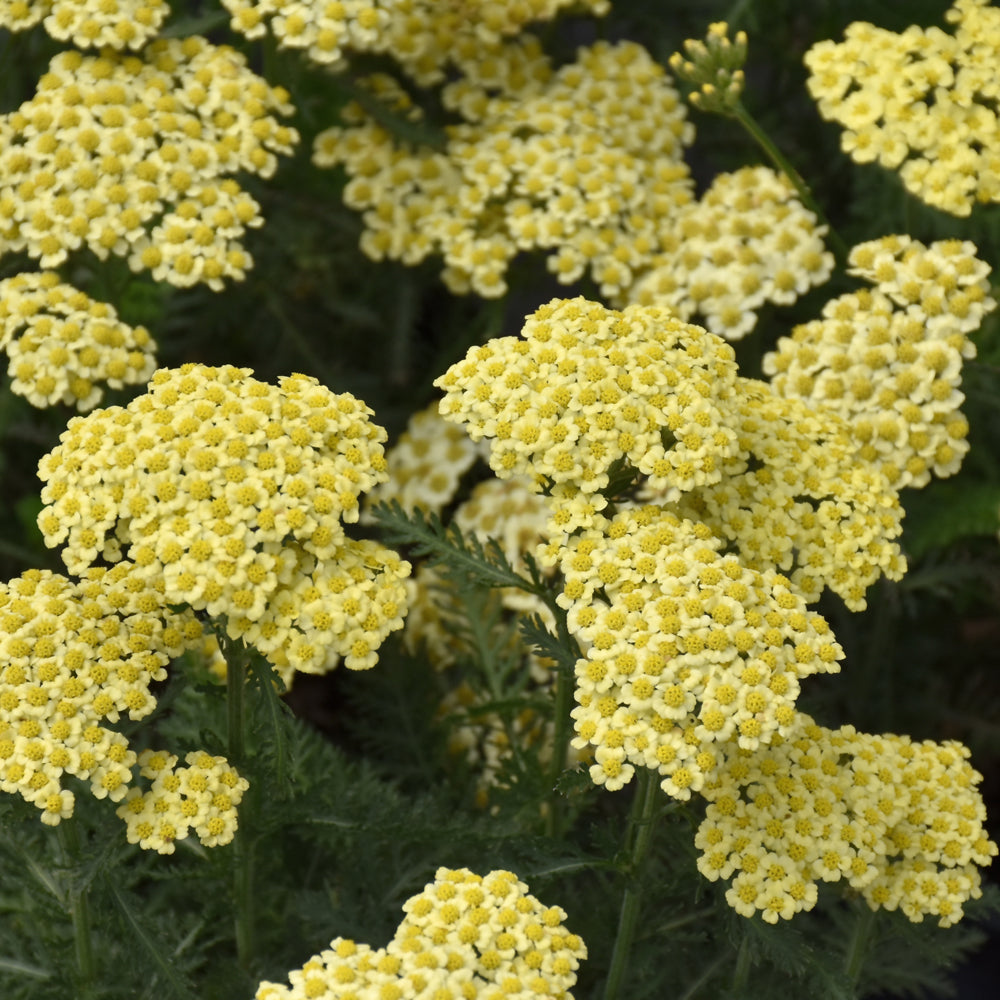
921,102
133,156
62,345
900,821
465,935
77,656
231,495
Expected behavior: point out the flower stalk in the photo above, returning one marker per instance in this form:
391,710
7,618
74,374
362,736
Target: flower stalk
78,907
236,654
637,840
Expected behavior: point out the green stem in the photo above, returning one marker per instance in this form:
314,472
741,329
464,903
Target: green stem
78,906
860,942
740,113
243,895
637,840
742,971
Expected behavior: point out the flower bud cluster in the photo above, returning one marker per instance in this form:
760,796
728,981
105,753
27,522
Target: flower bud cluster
130,156
714,67
748,240
229,495
465,936
202,796
889,361
900,821
584,161
77,655
115,24
61,344
920,102
686,649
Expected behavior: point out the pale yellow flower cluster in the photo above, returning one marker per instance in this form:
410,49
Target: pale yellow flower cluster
229,494
920,102
800,498
202,796
748,240
587,387
62,346
115,24
323,30
465,936
130,156
901,822
427,36
76,655
889,360
425,465
686,649
584,161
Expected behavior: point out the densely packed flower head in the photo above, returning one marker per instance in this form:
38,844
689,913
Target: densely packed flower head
920,102
685,648
202,796
585,161
587,387
130,156
77,655
321,30
900,821
748,240
890,360
426,36
425,465
800,498
229,494
465,936
116,24
62,346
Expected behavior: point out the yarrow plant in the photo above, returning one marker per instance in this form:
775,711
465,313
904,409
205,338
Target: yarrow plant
230,495
637,610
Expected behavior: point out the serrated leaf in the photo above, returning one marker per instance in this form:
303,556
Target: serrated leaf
429,537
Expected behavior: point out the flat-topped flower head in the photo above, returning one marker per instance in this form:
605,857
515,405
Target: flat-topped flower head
202,796
77,656
748,240
229,495
324,32
62,345
686,649
920,102
587,387
902,822
115,24
465,935
584,161
799,498
889,360
132,156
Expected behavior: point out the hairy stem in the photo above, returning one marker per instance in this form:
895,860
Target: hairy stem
860,942
235,654
740,113
78,907
637,840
